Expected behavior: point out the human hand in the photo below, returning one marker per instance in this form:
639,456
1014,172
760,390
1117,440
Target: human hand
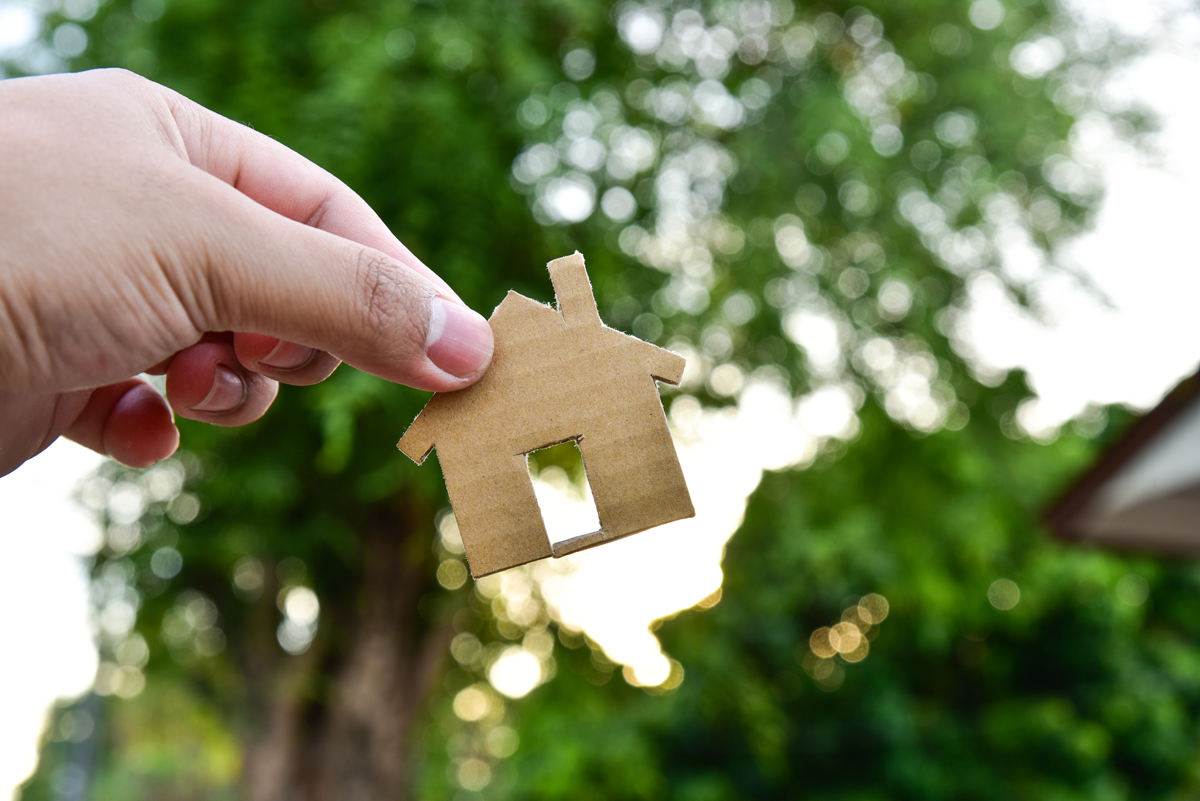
138,230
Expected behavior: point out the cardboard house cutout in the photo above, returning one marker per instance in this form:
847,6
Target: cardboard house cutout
556,376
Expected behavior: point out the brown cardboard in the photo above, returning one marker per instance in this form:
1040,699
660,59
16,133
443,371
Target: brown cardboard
556,375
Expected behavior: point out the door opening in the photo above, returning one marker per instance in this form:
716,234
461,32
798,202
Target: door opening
563,494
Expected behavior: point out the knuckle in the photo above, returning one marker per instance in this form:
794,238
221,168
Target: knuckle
320,214
387,301
129,82
119,74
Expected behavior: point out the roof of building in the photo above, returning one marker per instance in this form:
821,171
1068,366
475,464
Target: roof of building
1144,491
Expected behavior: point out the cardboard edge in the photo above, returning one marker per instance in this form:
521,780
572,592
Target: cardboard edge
574,297
418,459
476,576
585,541
514,298
665,365
580,543
576,438
676,376
414,430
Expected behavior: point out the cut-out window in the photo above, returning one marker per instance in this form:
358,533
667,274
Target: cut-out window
563,493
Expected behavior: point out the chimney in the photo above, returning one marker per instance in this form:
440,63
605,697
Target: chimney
573,291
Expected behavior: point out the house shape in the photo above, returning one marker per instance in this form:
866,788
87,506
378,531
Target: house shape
556,375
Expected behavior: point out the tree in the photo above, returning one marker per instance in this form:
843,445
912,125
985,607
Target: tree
993,662
796,197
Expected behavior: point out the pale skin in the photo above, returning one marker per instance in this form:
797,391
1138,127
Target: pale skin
140,231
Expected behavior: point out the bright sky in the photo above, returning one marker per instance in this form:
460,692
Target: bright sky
43,599
1141,256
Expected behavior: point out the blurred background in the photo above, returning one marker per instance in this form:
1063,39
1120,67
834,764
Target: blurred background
923,257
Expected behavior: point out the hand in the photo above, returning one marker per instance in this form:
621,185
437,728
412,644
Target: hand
138,229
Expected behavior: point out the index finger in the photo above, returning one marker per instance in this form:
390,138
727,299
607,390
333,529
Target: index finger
285,182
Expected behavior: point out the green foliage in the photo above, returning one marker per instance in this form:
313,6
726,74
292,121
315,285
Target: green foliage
173,744
1081,690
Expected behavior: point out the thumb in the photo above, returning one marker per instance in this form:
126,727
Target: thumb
264,273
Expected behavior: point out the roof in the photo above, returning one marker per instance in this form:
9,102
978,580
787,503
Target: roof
1144,491
550,370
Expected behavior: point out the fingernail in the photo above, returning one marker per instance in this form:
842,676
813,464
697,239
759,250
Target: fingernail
287,356
228,391
459,339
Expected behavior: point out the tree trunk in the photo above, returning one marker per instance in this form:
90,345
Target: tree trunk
347,735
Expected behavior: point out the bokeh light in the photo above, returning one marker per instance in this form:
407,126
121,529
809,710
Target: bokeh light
473,703
1004,594
301,609
848,640
516,672
1133,590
